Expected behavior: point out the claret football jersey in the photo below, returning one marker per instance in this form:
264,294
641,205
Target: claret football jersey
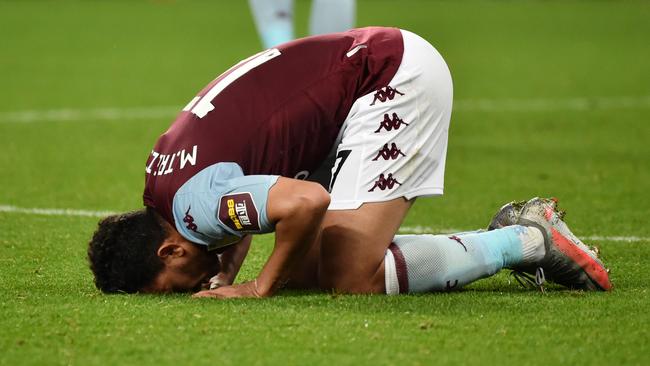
277,113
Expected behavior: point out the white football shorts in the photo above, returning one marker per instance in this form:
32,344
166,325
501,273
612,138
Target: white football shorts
394,141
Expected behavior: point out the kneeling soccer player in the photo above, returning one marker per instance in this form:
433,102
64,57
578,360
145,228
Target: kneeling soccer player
327,141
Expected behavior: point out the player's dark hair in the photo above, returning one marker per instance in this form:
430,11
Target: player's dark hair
123,251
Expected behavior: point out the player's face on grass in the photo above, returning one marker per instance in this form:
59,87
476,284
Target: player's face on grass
187,268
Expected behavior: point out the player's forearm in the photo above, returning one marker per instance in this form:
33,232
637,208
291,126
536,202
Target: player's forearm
231,262
296,231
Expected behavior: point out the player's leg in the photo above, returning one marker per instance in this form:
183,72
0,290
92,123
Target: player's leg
329,16
392,150
274,20
354,244
532,239
423,263
354,260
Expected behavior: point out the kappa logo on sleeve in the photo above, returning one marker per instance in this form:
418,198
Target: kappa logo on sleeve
238,212
189,220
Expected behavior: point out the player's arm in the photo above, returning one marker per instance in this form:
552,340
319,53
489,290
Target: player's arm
297,209
231,262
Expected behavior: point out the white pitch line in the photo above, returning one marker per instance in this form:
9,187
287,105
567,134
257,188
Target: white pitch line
402,230
104,114
629,239
54,211
481,105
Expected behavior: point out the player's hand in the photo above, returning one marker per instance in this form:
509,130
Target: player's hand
220,280
247,289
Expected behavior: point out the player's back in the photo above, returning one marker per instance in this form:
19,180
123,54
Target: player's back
278,112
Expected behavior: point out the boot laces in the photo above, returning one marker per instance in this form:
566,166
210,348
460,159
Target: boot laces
527,280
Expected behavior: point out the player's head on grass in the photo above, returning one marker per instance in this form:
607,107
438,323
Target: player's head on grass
122,251
139,252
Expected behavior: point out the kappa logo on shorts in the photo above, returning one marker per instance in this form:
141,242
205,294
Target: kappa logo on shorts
387,154
390,124
238,212
385,182
189,220
384,94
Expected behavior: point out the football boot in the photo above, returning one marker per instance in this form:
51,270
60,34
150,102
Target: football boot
567,261
507,215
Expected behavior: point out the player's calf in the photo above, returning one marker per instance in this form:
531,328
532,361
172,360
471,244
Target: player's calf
423,263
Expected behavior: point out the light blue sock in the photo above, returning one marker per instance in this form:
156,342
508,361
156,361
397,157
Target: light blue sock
329,16
274,21
422,263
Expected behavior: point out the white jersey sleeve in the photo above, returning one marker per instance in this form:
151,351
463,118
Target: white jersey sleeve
220,204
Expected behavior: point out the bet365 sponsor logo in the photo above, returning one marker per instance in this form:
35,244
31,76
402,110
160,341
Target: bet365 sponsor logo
238,212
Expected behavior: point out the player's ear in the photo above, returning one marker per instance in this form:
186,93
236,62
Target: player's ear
174,245
170,249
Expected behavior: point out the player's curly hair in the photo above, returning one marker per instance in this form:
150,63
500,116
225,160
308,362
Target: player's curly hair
122,251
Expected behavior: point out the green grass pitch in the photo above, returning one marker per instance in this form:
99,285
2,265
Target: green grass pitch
552,98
